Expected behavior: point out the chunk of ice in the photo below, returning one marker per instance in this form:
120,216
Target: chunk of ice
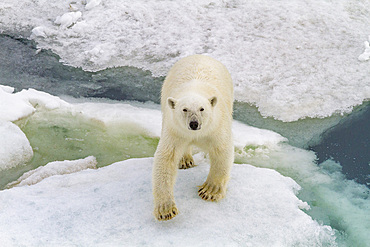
15,149
366,55
68,19
54,168
14,106
92,4
113,206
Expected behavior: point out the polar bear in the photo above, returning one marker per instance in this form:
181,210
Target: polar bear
197,103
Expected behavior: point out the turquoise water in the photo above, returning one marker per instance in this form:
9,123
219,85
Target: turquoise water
57,136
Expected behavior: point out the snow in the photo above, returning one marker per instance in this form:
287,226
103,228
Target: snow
291,59
42,99
245,135
6,89
113,206
68,19
366,55
54,168
39,32
92,4
15,148
14,106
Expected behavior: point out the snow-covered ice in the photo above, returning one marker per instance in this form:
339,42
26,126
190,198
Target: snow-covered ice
15,149
113,206
68,19
366,54
245,135
292,59
54,168
14,106
39,32
90,4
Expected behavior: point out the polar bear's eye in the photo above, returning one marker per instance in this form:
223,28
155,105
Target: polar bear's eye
202,109
184,110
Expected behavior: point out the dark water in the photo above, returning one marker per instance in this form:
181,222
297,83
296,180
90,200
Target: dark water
22,67
348,144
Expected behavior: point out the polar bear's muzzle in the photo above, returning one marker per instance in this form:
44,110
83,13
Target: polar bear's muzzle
194,125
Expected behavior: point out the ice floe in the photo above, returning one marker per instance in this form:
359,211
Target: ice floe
113,206
54,168
366,54
15,149
291,59
68,19
14,106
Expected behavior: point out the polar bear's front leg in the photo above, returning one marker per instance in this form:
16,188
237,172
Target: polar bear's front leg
214,189
165,167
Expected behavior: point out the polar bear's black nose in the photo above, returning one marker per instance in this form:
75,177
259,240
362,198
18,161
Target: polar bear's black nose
193,125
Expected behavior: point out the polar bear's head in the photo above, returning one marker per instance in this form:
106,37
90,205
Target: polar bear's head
192,112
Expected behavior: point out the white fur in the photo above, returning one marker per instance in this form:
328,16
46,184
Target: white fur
197,102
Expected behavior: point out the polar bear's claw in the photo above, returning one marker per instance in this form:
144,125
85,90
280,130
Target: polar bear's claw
163,212
211,192
186,162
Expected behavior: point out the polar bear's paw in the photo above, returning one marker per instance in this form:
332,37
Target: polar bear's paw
210,192
165,211
186,162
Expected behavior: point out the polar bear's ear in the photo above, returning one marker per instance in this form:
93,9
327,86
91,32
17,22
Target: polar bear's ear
171,102
213,101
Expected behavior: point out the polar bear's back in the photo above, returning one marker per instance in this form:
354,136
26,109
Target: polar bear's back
199,73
